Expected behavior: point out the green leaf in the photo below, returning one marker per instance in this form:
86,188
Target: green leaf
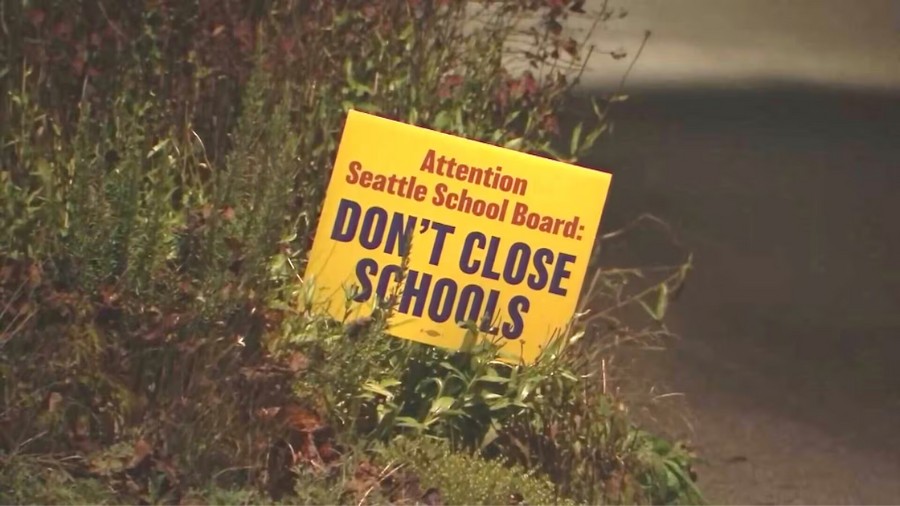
574,338
361,106
468,324
406,33
525,389
501,404
442,121
159,146
511,117
450,367
662,302
469,341
355,86
489,437
597,112
437,381
556,154
381,388
576,138
368,107
693,493
441,404
348,71
410,422
515,143
569,376
650,311
492,378
591,138
671,480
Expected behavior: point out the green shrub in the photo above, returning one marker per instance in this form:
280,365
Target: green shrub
405,470
162,168
463,478
550,417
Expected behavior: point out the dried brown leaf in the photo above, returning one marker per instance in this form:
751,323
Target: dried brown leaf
142,451
302,419
53,401
298,362
228,213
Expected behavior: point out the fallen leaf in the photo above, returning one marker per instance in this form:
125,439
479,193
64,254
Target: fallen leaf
268,414
228,213
82,428
53,401
34,274
302,419
298,362
142,451
328,453
570,46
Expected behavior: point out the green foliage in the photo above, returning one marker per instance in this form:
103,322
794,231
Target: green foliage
585,442
162,167
33,480
215,496
405,470
463,478
550,417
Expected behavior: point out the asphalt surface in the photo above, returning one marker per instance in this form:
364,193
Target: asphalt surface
790,322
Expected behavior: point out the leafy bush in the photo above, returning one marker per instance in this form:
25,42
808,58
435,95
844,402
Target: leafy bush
405,471
463,478
162,167
549,417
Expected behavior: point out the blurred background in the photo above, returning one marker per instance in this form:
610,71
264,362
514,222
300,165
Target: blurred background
767,133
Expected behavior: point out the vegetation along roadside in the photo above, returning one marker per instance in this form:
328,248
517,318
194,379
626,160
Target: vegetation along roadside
162,165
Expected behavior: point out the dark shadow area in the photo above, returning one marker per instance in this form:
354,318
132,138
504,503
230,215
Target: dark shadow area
789,199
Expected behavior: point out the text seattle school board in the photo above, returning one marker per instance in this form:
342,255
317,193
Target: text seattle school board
494,232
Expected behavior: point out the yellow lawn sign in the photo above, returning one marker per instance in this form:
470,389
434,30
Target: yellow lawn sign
491,235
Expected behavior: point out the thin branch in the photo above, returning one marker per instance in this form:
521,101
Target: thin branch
637,221
636,297
112,23
381,478
12,298
19,327
630,67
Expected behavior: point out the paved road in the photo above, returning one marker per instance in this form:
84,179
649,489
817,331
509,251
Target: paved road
790,323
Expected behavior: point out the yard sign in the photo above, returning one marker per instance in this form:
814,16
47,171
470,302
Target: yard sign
495,236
